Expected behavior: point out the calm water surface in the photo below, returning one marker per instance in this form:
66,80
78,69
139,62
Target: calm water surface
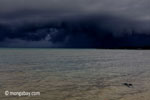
73,74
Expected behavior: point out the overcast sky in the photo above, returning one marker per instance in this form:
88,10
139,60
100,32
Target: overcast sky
135,9
115,16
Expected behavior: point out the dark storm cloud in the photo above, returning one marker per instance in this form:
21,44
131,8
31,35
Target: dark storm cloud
32,8
74,23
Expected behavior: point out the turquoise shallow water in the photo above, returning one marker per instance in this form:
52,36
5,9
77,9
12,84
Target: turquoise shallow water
71,74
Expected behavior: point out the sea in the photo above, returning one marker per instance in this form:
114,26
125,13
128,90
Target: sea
73,74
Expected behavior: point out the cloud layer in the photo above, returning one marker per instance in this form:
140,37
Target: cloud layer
74,23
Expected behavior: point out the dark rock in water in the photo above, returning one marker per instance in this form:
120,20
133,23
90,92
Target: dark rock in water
128,84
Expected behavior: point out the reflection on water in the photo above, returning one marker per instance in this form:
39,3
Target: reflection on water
74,74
